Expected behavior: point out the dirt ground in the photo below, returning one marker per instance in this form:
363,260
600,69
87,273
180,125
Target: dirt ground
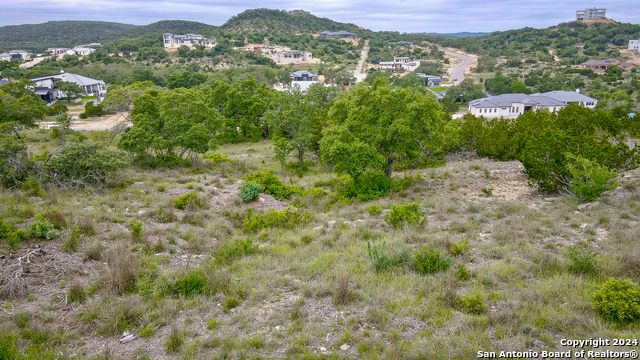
97,123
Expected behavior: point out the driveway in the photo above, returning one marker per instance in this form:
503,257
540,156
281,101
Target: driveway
458,71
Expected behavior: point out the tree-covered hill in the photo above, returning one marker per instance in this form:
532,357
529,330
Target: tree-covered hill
38,37
298,21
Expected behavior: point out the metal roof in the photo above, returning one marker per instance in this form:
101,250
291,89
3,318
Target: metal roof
302,73
74,78
567,96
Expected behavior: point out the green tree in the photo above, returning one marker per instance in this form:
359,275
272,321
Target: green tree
70,89
372,128
171,123
245,105
19,105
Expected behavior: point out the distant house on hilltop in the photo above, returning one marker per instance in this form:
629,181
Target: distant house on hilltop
339,35
514,105
5,57
80,51
590,14
634,45
56,51
175,41
46,85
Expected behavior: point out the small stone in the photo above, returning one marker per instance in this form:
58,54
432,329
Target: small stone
588,205
331,223
278,328
345,347
261,199
323,349
583,226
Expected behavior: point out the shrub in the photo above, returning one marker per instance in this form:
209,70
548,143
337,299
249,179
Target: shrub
135,227
472,304
459,248
42,228
272,185
216,158
91,110
409,214
231,250
8,348
190,200
367,186
384,261
374,210
193,283
230,303
429,259
588,179
583,259
56,109
463,274
618,301
122,269
250,191
286,218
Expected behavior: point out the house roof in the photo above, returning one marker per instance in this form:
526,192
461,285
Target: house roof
42,91
302,73
18,51
341,32
505,100
401,57
567,96
3,81
5,55
387,63
74,78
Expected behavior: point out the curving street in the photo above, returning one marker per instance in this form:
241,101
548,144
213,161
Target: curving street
458,71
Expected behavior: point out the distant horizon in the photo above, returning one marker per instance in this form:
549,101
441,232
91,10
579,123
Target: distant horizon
432,16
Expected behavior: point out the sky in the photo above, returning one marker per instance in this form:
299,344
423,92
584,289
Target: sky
439,16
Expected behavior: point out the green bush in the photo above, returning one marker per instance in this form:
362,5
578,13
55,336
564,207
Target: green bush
8,348
374,210
193,283
135,227
588,179
56,109
408,214
9,233
463,274
272,185
583,259
367,186
384,261
429,260
472,304
618,301
286,218
91,110
230,303
42,228
231,250
216,158
190,200
250,191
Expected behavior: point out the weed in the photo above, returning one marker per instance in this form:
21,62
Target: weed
384,261
603,220
122,269
230,303
135,227
42,228
212,324
231,250
487,173
475,167
488,192
147,331
472,304
161,188
174,341
94,251
343,292
193,283
408,214
459,248
583,259
463,274
76,292
429,259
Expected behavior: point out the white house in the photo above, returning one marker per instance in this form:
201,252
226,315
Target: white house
400,59
57,51
514,105
46,85
175,41
634,45
388,65
303,79
80,51
5,57
20,54
291,56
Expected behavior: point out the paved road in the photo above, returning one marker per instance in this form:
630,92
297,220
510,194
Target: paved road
458,71
360,74
31,63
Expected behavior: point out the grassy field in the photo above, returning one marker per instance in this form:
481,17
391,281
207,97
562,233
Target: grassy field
199,283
